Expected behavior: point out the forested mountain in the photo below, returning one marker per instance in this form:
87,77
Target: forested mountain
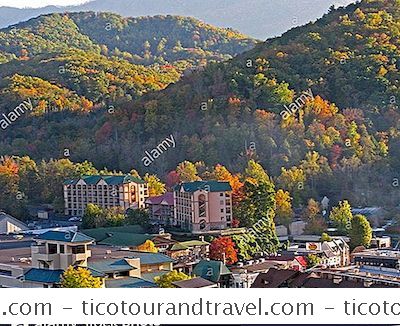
98,58
317,107
258,18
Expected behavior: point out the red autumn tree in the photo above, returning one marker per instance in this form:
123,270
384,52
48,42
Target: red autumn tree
172,179
223,248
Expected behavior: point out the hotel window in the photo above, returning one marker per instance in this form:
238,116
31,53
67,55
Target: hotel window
221,202
222,210
221,194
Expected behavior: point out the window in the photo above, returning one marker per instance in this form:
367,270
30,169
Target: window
52,248
221,194
78,250
62,249
222,210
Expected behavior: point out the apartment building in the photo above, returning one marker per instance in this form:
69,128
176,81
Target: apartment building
202,206
123,191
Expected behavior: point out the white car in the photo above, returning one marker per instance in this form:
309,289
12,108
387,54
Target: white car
75,219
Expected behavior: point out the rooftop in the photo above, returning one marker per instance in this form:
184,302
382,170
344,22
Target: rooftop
108,179
197,282
166,199
129,282
210,186
110,265
101,234
43,275
211,270
65,236
149,258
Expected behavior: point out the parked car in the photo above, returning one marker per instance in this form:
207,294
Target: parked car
75,219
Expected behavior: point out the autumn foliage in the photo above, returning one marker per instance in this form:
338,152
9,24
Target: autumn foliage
223,248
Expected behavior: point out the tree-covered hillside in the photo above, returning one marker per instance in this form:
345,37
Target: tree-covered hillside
318,108
99,58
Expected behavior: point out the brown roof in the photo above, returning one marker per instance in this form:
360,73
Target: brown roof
197,282
274,278
167,197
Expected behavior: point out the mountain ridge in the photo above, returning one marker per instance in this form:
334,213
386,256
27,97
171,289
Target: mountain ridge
253,17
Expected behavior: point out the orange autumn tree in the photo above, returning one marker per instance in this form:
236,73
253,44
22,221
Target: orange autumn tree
221,173
223,248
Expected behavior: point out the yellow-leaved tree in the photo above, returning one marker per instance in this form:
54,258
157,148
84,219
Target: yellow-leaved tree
148,246
79,278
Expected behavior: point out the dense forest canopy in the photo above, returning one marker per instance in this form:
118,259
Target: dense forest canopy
337,80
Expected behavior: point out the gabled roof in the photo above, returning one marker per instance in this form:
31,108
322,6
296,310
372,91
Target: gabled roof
166,199
65,236
18,223
101,234
210,186
110,265
211,270
109,179
187,244
43,275
274,278
125,239
149,258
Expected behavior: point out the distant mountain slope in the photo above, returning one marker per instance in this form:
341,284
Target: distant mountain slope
143,40
105,57
258,18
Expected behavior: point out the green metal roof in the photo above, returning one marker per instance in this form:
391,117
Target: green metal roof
129,282
65,236
211,186
150,258
109,179
211,270
125,239
187,244
43,275
101,234
110,265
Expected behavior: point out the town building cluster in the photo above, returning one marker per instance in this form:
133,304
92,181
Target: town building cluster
185,217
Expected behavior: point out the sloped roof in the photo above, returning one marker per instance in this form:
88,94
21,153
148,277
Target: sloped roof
187,244
211,270
211,186
126,239
101,234
43,275
274,278
150,258
13,220
110,265
193,283
168,198
109,179
129,282
65,236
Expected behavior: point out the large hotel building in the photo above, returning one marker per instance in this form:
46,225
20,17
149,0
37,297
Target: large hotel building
123,191
202,206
